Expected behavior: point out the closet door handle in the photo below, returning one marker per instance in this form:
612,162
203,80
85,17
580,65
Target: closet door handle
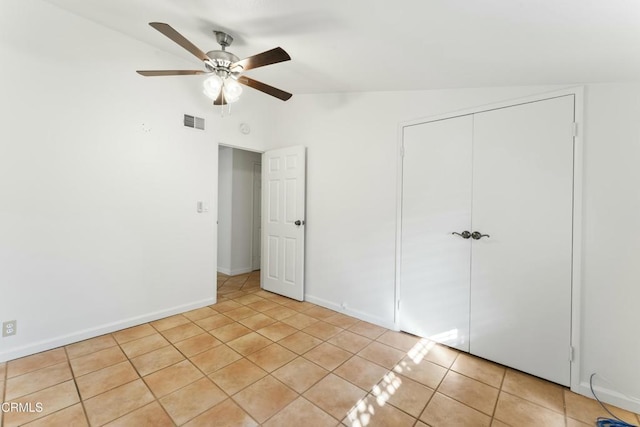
465,234
476,235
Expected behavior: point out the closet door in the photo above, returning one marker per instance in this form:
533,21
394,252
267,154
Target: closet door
521,274
436,201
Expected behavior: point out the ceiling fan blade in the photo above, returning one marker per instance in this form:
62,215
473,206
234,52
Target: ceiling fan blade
220,100
168,31
269,57
263,87
154,73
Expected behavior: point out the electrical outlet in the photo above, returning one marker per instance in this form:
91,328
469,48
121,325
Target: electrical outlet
9,328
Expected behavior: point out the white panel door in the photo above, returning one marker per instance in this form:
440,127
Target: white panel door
521,274
283,201
436,201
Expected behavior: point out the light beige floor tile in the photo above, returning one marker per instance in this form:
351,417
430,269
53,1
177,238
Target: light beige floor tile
257,321
517,411
249,343
198,344
368,412
169,322
264,398
96,361
272,357
424,372
199,313
444,411
171,378
248,299
298,306
479,369
327,355
53,399
144,345
322,330
37,380
403,393
382,354
237,375
216,358
214,322
151,415
341,320
36,361
263,305
192,400
350,341
98,382
277,331
280,312
586,410
89,346
71,416
117,402
368,330
575,423
301,412
439,354
534,389
334,395
498,423
471,392
299,320
300,374
361,372
225,414
320,312
240,313
156,360
223,307
230,332
133,333
300,342
399,340
182,332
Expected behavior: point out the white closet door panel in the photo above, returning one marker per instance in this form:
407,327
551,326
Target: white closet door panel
521,274
436,195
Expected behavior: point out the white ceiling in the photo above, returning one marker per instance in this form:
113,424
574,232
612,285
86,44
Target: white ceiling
379,45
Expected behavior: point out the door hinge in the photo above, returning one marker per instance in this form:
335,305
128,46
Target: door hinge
574,129
571,353
398,305
402,150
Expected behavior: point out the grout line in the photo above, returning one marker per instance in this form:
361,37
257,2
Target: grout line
73,376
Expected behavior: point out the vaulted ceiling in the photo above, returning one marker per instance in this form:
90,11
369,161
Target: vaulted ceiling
379,45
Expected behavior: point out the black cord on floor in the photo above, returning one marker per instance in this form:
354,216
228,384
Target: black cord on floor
607,422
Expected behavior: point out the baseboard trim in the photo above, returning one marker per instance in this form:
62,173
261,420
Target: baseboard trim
350,312
609,396
49,344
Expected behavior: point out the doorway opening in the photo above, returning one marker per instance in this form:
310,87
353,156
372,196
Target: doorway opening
239,220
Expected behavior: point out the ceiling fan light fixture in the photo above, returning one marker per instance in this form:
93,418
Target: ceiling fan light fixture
232,90
212,86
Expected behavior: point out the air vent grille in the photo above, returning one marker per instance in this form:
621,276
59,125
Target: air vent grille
193,122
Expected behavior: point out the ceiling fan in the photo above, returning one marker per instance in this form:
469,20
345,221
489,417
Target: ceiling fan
225,68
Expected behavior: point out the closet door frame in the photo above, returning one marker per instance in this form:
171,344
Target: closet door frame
574,352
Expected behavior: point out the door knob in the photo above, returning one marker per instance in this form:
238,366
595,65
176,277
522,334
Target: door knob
465,234
476,235
299,223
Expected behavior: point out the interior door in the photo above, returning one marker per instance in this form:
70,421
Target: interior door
283,221
521,272
436,202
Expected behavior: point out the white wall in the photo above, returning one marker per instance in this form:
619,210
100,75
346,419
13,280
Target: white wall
351,210
98,182
225,180
236,210
242,223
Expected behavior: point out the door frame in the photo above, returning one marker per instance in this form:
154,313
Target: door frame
576,268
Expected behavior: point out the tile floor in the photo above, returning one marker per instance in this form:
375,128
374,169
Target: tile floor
256,358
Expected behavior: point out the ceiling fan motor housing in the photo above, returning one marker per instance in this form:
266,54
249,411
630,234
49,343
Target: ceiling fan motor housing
220,62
